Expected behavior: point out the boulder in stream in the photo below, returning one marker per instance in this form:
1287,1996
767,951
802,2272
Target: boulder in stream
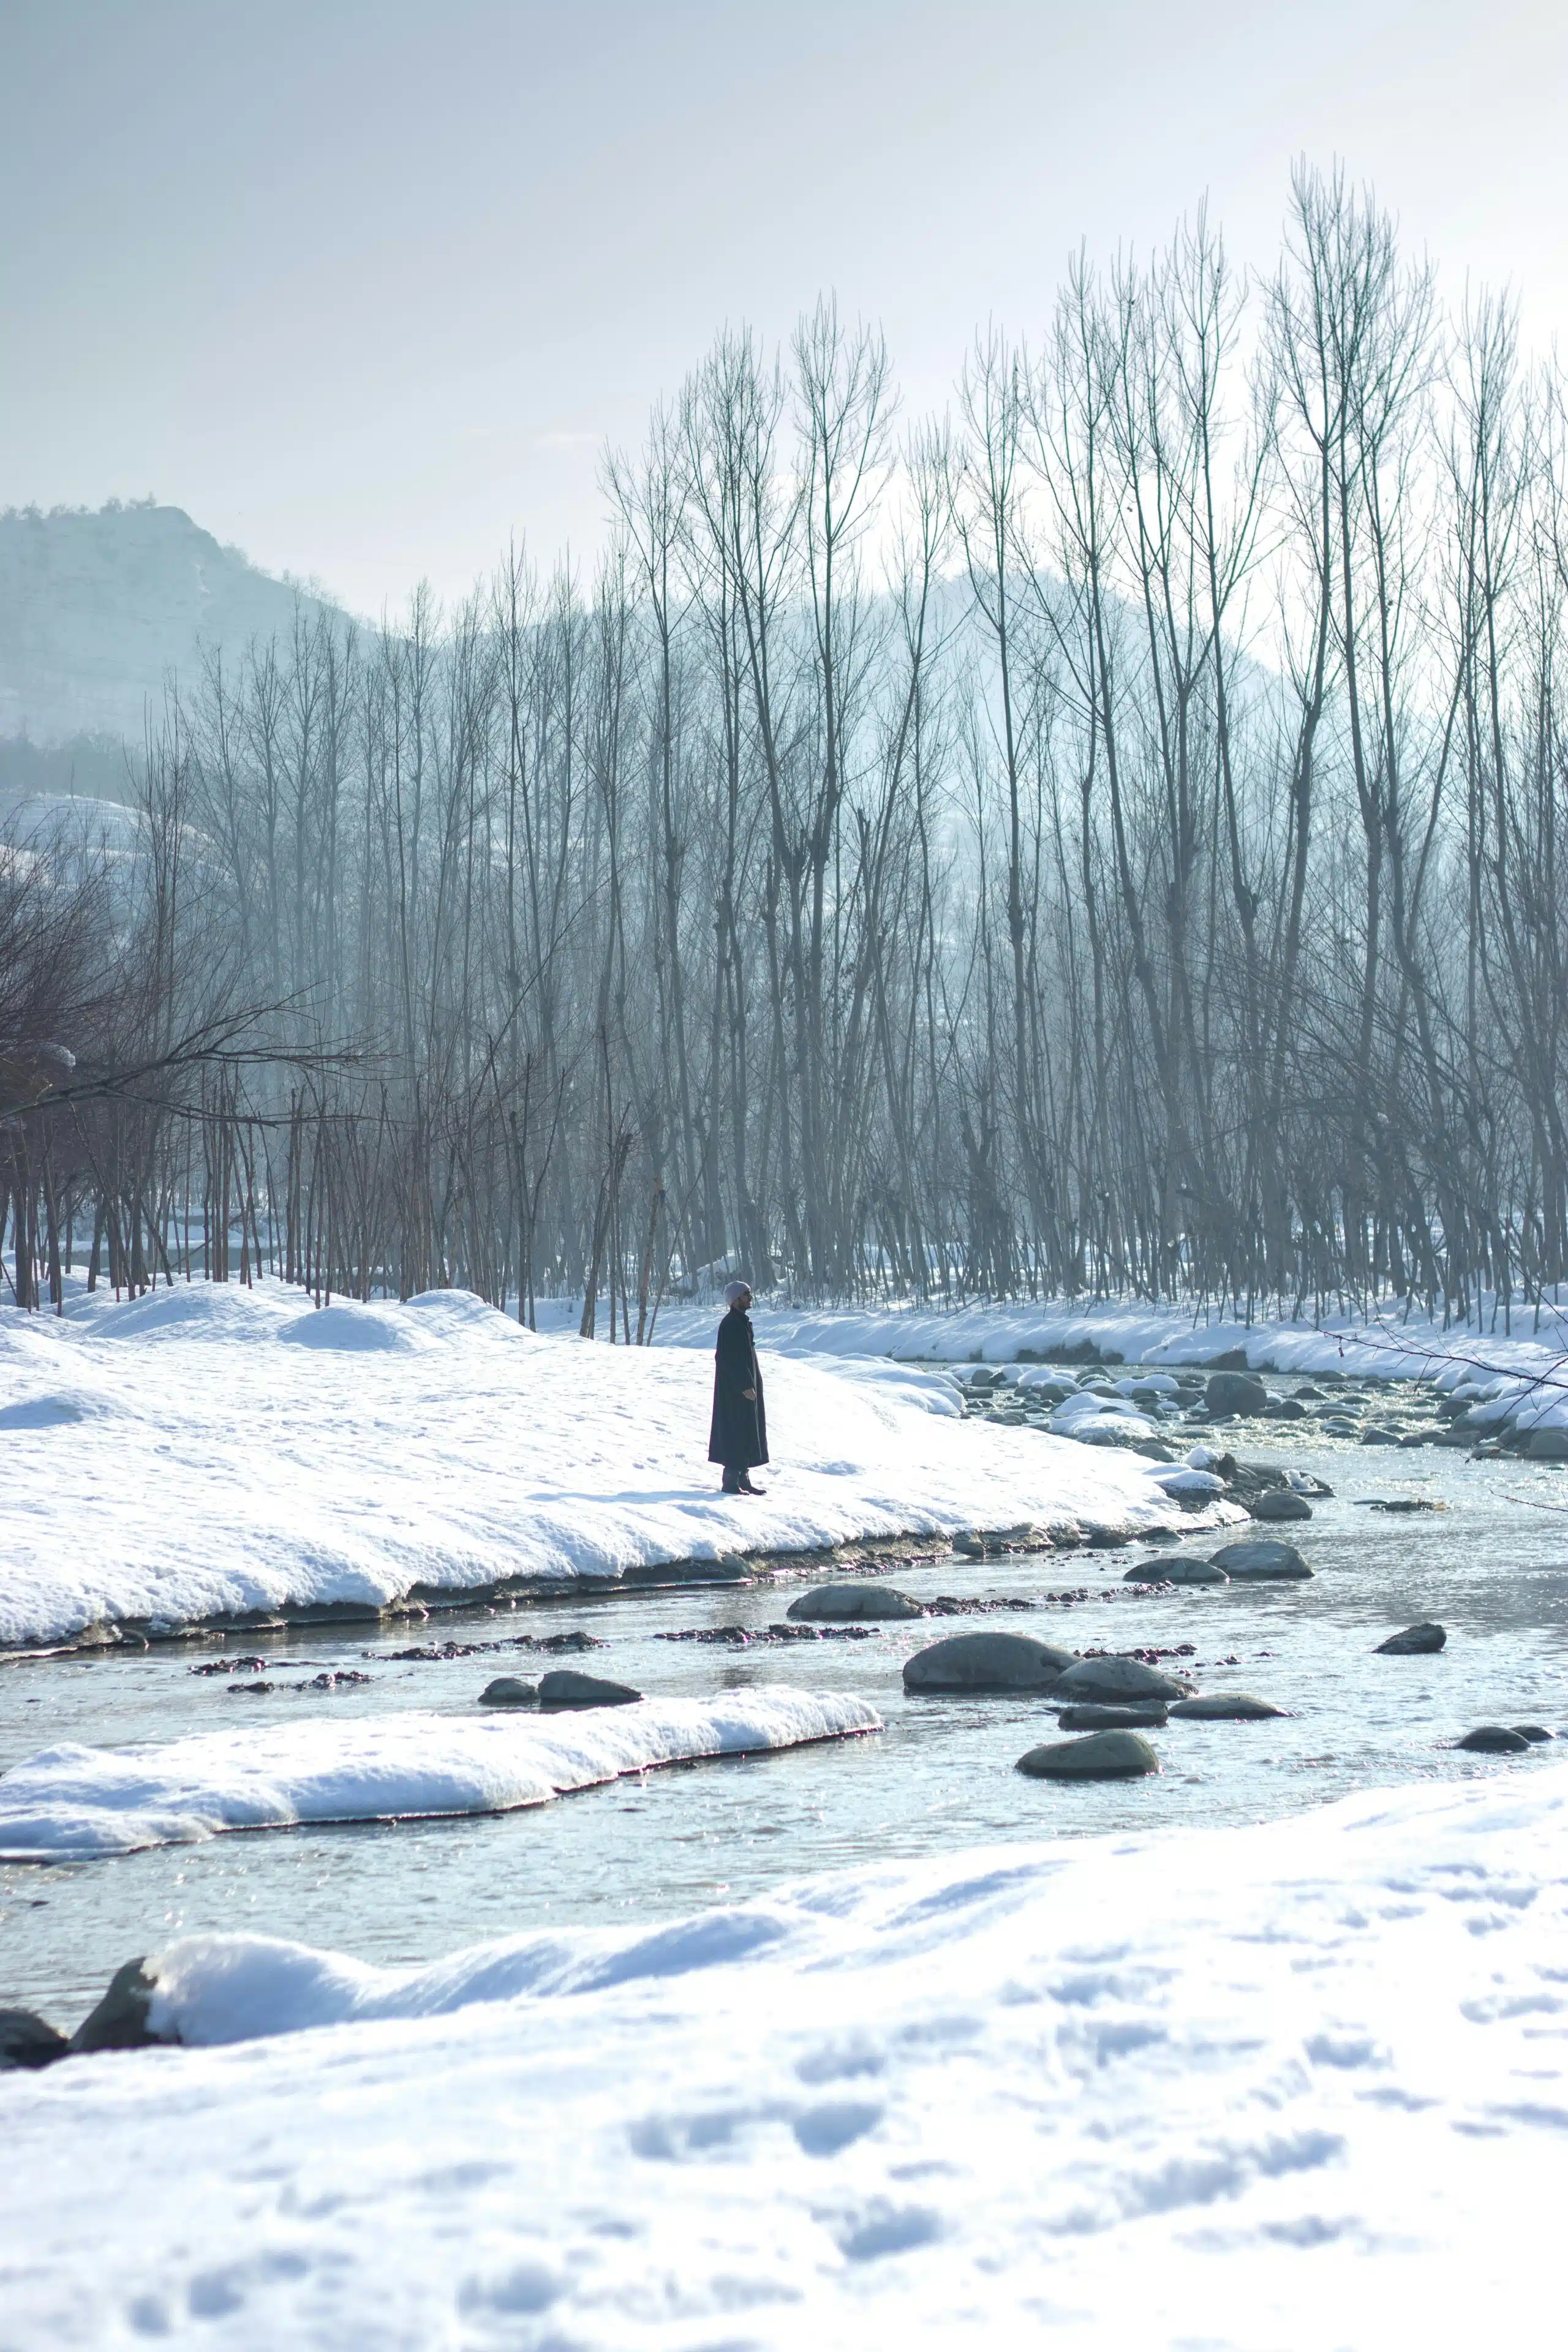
1226,1707
564,1688
26,2041
1102,1755
1116,1679
1239,1393
849,1604
1546,1445
120,2019
1280,1503
1173,1569
1150,1716
1259,1559
510,1690
1415,1641
986,1662
1494,1739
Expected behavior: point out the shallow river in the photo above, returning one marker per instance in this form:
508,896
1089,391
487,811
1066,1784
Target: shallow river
1493,1567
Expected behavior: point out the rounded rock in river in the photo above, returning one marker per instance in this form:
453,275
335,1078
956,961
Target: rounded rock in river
1261,1559
1226,1707
1176,1570
27,2042
1235,1393
1280,1503
508,1690
565,1689
1114,1679
986,1662
1102,1755
849,1604
1150,1717
1415,1641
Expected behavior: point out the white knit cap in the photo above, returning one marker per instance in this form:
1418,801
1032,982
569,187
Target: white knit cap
734,1290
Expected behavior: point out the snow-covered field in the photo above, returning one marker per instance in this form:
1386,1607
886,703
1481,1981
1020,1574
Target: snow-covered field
79,1803
206,1452
1279,2090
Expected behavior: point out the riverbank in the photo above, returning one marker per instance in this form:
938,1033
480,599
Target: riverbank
1294,2086
224,1458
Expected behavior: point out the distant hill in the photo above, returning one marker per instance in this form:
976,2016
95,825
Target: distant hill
97,610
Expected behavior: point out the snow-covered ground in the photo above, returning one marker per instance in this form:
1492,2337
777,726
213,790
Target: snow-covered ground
79,1803
210,1451
1391,1345
1281,2090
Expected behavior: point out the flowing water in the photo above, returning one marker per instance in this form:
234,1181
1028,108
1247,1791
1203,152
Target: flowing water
1491,1566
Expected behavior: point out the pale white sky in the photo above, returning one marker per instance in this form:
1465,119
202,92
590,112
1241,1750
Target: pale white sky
364,284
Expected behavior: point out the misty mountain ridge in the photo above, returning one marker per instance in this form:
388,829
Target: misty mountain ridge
99,610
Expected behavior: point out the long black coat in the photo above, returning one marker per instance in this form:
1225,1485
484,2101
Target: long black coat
739,1435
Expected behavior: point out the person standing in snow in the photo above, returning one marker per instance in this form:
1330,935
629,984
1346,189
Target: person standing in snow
739,1437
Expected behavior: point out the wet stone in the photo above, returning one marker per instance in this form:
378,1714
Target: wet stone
119,2021
1092,1717
1494,1739
842,1604
1532,1732
28,2042
1261,1559
743,1637
508,1690
1115,1679
1226,1707
1175,1570
1415,1641
1239,1392
1101,1755
985,1662
1280,1503
564,1688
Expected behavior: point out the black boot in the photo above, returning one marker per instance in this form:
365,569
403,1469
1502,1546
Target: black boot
746,1486
732,1485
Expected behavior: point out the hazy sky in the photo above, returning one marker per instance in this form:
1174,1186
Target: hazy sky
364,284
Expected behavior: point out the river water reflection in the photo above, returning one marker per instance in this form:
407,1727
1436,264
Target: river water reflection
1492,1566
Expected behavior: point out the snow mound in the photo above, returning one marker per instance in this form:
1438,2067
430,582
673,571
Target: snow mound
83,1803
360,1328
44,1413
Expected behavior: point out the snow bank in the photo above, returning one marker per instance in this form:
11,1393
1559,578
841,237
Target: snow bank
1387,1346
1302,2085
81,1804
220,1453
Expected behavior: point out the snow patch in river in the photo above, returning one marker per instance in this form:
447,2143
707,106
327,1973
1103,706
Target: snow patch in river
79,1803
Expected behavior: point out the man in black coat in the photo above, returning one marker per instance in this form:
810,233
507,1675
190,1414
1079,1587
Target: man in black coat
739,1438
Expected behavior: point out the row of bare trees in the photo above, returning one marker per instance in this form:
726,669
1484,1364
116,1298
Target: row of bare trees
1106,840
